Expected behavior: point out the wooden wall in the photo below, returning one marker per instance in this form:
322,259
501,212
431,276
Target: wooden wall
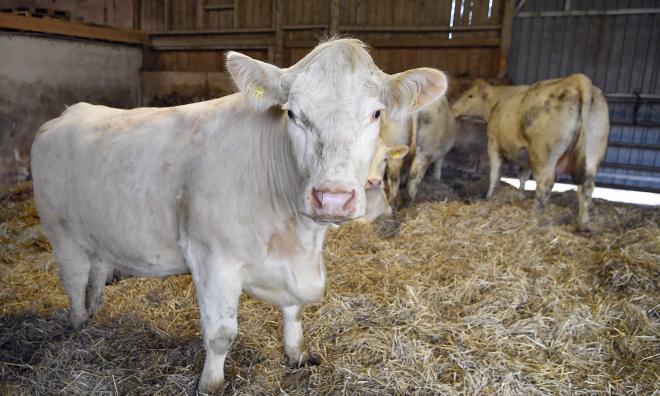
461,37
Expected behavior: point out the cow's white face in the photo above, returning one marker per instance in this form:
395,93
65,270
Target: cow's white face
474,102
332,100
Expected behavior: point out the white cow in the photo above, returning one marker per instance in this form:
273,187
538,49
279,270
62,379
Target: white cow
238,191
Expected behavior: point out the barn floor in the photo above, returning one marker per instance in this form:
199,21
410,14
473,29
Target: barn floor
457,296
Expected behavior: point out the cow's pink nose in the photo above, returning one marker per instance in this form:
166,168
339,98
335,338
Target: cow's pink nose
333,202
375,182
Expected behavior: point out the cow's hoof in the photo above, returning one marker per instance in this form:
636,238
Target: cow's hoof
583,229
77,320
208,389
306,359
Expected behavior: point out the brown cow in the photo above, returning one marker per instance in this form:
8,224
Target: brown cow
561,126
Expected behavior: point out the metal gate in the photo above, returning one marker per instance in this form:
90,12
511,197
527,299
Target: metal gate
617,44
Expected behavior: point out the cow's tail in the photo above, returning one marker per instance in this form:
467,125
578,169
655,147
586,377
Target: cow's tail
585,90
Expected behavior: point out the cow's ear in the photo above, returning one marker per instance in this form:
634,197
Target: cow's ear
397,152
413,89
480,83
260,82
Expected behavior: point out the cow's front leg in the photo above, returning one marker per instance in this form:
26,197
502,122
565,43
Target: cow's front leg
294,341
495,163
218,291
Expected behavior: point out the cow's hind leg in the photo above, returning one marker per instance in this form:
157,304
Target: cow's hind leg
218,290
98,276
74,267
584,198
495,163
545,180
294,342
437,168
523,176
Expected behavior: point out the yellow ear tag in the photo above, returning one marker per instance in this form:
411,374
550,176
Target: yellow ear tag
396,155
256,93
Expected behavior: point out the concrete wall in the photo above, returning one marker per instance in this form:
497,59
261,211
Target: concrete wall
40,76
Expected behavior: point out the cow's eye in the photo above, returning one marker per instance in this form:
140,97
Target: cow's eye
377,115
290,114
470,96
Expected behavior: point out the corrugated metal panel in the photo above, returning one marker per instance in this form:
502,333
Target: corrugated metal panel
619,49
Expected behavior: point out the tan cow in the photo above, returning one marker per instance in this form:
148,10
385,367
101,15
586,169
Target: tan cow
429,134
435,132
560,125
377,203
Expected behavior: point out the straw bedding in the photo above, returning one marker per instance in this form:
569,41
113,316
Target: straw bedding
455,296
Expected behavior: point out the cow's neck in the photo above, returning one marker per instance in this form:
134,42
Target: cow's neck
496,95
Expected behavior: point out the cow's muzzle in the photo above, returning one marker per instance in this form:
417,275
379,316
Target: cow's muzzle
332,203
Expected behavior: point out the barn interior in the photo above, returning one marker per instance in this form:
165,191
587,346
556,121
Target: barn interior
452,295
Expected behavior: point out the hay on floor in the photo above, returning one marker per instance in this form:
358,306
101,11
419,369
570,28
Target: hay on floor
460,296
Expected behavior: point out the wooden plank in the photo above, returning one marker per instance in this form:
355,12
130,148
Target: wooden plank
54,26
278,23
334,17
200,15
137,6
505,42
167,14
236,9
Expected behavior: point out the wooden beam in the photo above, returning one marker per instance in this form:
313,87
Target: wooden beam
237,32
417,29
505,37
396,29
64,28
206,41
410,43
578,13
221,7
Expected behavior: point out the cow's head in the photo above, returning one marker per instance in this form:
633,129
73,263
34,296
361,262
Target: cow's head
474,102
333,99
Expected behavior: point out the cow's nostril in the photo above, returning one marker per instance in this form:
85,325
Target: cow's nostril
317,199
374,182
348,206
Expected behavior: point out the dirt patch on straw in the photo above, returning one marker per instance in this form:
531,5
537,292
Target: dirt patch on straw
454,296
